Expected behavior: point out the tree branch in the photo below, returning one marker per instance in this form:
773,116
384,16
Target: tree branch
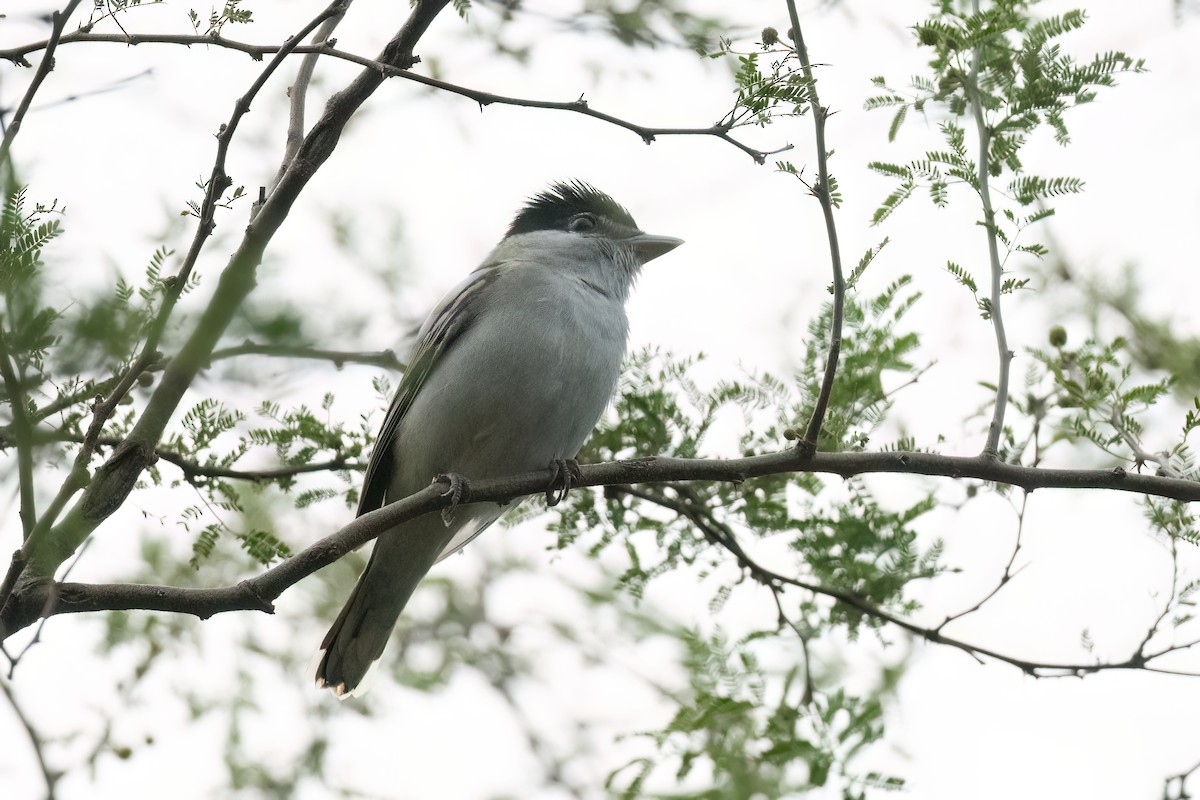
30,600
194,469
822,192
996,427
132,456
58,21
298,92
648,134
22,427
339,358
116,478
691,507
49,776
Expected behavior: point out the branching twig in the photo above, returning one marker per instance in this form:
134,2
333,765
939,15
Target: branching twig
1181,779
298,92
1008,574
822,192
1140,455
692,508
58,20
1170,602
721,130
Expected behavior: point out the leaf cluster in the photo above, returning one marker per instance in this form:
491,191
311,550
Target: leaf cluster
1005,69
750,740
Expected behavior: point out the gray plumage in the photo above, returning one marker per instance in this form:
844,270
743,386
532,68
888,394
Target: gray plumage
510,373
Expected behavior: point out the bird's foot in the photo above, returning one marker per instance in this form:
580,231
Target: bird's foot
456,492
566,474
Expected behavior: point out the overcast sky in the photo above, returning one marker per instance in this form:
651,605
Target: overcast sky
124,159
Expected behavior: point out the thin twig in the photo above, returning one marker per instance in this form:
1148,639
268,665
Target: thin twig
1140,455
648,134
339,358
49,776
695,511
58,21
22,428
784,619
193,470
822,192
1008,574
298,93
992,447
1182,779
1171,596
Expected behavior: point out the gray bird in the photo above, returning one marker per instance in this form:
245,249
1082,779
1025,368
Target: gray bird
510,373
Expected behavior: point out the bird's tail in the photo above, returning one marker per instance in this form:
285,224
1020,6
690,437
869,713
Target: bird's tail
359,634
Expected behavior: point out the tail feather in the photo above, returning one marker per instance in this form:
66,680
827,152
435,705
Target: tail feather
361,631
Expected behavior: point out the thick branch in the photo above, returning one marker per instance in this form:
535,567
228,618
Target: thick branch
133,455
30,601
116,478
822,191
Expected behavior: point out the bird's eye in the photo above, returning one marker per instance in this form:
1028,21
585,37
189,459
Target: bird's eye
582,223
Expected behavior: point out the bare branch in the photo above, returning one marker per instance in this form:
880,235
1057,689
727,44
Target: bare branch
58,21
721,130
695,510
194,469
49,776
22,428
339,358
822,192
30,600
1182,778
298,92
1008,574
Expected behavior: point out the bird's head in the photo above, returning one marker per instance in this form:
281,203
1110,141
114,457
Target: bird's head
579,210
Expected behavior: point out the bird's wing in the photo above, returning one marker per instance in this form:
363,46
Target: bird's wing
448,321
478,523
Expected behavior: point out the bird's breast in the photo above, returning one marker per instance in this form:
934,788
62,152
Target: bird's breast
523,385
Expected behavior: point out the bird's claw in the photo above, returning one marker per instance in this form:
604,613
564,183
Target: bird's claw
456,491
566,474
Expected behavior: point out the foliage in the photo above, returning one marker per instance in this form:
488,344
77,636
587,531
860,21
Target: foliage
835,557
1004,68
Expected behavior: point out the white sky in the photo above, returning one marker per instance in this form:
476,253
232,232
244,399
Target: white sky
752,274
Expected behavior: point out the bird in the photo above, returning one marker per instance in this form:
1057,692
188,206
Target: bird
510,373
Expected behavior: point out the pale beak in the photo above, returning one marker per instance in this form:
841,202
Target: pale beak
649,247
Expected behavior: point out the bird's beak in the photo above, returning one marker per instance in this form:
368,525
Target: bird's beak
649,247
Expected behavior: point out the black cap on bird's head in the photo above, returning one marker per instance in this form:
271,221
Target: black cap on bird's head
578,208
565,204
